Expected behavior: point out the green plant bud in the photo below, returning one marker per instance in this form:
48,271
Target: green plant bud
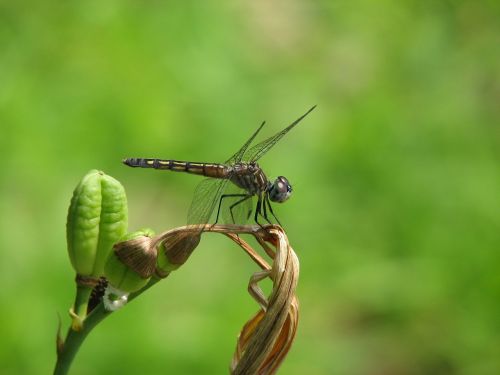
132,262
97,218
174,250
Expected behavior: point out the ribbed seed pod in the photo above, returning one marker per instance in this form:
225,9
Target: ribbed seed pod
132,262
97,218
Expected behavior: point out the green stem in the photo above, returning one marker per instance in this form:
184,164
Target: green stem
80,306
74,339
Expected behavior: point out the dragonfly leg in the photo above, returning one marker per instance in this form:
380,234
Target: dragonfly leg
264,207
266,199
258,211
227,196
245,197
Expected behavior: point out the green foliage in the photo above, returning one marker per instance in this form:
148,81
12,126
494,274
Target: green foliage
395,209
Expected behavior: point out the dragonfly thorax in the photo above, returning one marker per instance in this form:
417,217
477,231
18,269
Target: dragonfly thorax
280,190
249,176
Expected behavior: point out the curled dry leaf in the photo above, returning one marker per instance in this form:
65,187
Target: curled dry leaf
175,247
138,254
266,338
132,263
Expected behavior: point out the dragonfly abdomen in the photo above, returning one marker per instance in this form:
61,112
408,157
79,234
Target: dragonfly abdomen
204,169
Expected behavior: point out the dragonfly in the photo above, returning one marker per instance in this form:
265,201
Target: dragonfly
241,172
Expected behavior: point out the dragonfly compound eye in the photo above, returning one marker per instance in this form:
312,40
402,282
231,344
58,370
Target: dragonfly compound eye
280,190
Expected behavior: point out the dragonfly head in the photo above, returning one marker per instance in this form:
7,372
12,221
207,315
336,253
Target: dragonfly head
280,190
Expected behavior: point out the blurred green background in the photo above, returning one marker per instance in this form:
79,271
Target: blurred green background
396,209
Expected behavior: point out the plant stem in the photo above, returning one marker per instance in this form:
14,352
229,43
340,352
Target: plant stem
80,306
74,339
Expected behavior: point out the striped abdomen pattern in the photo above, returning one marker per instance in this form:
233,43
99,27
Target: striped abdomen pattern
204,169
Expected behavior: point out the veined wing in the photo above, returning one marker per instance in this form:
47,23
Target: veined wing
206,198
209,191
239,154
257,151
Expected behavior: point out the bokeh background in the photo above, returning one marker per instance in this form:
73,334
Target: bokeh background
396,210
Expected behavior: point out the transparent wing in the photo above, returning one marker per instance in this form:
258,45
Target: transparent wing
239,154
236,206
205,200
209,192
257,151
242,212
